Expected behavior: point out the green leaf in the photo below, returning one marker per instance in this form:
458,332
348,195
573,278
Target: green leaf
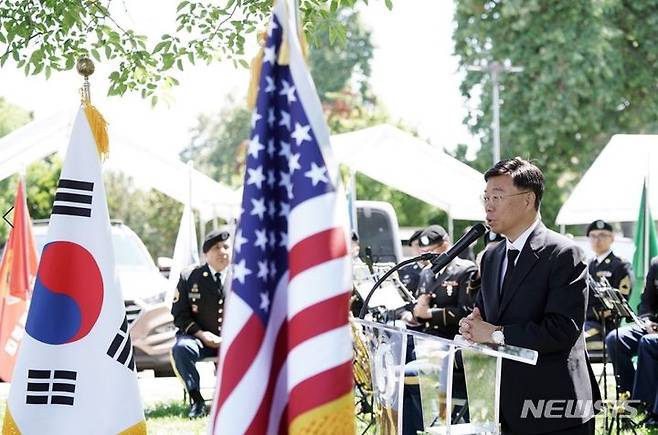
95,54
244,63
37,68
167,61
181,5
160,46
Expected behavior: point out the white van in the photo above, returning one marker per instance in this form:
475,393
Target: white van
152,331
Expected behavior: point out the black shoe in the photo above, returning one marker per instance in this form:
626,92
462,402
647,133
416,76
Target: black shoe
197,409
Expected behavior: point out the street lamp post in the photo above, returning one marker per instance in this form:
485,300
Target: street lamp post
495,69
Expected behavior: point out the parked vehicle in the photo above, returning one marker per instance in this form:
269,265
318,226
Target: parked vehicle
378,230
152,331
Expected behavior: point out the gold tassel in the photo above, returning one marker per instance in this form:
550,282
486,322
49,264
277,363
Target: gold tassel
256,66
98,127
97,123
284,52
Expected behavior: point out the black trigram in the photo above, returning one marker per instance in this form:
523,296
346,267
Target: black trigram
55,387
122,347
73,198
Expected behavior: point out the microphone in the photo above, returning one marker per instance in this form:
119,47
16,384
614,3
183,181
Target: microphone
425,256
439,262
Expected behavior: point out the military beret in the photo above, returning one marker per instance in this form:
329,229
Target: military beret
598,225
415,236
214,237
432,235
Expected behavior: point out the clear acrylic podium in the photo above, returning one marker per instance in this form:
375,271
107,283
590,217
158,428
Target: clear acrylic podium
461,400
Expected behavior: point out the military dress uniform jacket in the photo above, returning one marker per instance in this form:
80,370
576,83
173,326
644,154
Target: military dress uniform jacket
618,273
451,296
199,301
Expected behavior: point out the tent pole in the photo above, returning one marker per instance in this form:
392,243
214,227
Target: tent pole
202,230
451,228
352,202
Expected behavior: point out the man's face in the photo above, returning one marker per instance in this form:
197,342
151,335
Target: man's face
414,247
219,255
437,248
601,240
506,206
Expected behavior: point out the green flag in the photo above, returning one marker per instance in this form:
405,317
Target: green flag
646,247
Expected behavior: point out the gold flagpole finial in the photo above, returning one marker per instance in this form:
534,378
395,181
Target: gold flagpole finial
85,67
97,123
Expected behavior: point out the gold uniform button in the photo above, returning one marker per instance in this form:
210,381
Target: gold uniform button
221,311
221,302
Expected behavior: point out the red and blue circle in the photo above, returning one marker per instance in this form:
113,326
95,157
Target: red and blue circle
68,294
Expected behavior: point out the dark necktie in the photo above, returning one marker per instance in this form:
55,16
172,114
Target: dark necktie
218,280
511,258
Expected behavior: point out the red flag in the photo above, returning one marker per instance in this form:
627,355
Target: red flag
17,271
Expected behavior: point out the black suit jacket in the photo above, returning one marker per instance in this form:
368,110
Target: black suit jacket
543,310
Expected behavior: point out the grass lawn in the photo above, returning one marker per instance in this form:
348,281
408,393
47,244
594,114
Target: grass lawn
171,418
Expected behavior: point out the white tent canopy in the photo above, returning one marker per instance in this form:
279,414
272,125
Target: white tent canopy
406,163
43,137
612,186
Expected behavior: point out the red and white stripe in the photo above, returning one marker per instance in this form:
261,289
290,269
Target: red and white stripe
267,377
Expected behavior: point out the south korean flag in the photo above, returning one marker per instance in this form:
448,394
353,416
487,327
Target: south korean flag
73,375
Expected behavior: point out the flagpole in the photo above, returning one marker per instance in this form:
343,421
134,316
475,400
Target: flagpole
647,228
190,166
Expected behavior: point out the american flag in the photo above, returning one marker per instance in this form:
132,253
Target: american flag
286,357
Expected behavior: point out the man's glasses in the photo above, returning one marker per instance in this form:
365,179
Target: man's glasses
497,199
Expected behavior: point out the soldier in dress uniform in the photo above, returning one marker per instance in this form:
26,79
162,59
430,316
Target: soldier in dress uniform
198,308
410,274
618,273
443,298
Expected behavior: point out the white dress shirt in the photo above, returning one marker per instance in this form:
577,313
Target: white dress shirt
518,245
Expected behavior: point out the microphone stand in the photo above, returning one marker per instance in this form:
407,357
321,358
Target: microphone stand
613,300
594,286
423,257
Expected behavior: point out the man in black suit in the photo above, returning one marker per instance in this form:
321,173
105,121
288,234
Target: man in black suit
198,309
533,294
